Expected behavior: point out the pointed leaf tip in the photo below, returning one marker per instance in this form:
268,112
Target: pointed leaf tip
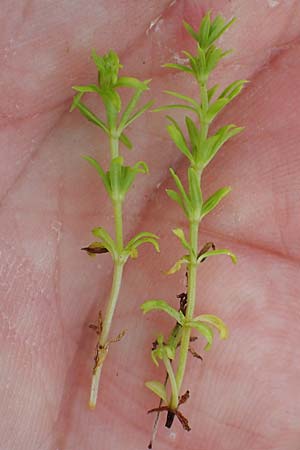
204,330
214,200
181,236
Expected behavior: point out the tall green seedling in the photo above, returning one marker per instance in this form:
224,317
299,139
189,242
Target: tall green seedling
199,146
117,180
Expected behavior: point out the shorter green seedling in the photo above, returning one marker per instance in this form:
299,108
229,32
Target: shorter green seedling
199,148
117,180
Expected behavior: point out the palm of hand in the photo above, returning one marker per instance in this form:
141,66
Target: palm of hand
246,392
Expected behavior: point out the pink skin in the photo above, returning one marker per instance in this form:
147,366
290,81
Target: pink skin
246,393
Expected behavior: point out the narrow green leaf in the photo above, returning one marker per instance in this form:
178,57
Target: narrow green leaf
86,112
105,237
214,200
176,197
213,57
194,135
98,60
158,389
190,30
202,57
217,23
192,59
126,141
143,234
223,251
138,113
161,305
182,97
175,336
142,238
76,100
211,92
132,83
154,357
214,143
170,352
100,171
216,321
185,199
181,236
228,131
195,192
178,264
128,175
207,150
175,106
217,31
129,109
204,30
215,108
87,88
148,240
141,167
202,329
233,89
199,64
181,67
179,139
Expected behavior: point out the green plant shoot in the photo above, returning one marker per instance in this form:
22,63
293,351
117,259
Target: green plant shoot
199,147
117,180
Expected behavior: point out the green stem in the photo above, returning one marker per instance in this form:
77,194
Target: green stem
114,144
204,105
191,294
118,217
103,342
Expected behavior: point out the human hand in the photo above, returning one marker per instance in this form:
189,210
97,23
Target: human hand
246,392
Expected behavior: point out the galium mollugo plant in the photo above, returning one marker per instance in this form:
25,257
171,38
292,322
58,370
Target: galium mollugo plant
199,147
117,180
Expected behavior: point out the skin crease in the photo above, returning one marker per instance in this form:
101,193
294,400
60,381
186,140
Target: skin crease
246,392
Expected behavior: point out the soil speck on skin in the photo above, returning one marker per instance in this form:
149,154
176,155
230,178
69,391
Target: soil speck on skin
273,3
172,435
179,59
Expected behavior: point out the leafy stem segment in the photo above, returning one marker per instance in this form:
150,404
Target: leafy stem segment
191,295
199,147
103,342
117,180
192,265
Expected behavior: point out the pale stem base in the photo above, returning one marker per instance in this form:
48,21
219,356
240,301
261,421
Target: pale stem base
103,342
95,386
